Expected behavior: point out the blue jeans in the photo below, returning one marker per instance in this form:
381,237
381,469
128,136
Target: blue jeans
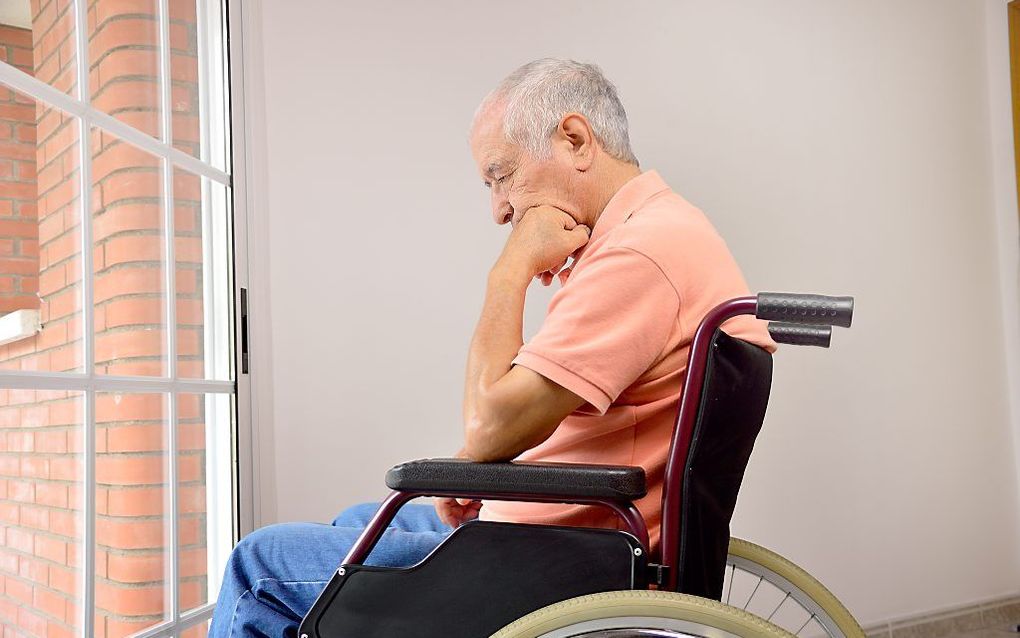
275,573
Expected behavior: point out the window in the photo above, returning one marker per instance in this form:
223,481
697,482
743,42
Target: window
118,389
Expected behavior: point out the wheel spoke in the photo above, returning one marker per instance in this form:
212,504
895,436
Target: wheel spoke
755,591
810,618
778,606
729,588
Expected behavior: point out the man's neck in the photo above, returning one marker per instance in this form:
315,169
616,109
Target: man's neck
617,174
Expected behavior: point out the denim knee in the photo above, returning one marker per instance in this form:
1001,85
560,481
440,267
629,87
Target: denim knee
356,516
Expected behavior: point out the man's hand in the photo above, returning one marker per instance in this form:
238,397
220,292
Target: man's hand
456,511
542,241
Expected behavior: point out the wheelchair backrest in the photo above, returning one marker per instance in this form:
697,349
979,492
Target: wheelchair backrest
731,410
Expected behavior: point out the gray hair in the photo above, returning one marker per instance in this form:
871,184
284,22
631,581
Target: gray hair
539,93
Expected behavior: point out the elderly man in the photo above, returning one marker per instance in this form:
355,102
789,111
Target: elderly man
599,383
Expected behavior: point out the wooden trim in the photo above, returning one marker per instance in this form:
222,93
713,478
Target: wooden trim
1014,65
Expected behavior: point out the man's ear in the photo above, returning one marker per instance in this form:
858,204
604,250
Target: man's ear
575,136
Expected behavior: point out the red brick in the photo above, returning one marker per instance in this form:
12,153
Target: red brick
137,438
130,533
64,580
138,216
31,621
66,412
65,523
35,467
9,561
51,549
144,184
135,368
136,568
35,518
19,590
131,470
10,514
50,603
129,343
65,469
21,491
137,96
143,501
115,408
51,494
133,248
134,311
127,281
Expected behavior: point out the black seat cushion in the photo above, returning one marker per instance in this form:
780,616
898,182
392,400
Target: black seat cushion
461,476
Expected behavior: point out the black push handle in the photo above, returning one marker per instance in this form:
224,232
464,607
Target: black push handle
819,310
800,335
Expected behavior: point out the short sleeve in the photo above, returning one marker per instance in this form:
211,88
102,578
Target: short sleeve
607,326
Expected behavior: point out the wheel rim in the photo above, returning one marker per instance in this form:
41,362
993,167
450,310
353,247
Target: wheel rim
638,627
757,589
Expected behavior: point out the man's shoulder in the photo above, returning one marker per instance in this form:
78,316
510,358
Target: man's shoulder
671,232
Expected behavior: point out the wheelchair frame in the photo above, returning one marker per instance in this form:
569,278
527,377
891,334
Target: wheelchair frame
794,319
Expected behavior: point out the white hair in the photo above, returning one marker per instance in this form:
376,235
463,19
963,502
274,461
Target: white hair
537,95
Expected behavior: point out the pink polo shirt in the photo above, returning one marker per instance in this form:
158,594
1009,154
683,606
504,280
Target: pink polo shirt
617,335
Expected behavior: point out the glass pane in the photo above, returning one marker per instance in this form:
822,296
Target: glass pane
202,279
200,630
205,505
124,67
41,511
37,37
40,237
198,72
132,513
128,258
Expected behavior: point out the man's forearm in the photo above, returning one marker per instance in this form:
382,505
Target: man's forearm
497,339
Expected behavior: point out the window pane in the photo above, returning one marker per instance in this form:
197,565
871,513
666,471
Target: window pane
132,513
200,630
128,258
41,511
198,72
202,279
37,37
40,237
205,504
124,67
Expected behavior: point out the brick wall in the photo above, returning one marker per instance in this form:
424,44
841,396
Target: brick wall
19,232
40,432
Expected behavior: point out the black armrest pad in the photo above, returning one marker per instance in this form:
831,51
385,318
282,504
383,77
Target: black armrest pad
616,482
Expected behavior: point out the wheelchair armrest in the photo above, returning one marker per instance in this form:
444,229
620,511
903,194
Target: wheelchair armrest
615,482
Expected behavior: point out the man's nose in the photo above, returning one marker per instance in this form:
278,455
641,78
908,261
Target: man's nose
502,211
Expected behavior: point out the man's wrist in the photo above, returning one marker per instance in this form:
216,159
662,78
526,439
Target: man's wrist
512,271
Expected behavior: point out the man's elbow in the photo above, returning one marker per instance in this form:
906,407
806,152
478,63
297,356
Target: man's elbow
487,432
482,442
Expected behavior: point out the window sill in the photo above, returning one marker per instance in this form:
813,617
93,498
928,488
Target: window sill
18,325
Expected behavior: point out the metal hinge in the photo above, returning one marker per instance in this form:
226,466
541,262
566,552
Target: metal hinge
244,331
657,574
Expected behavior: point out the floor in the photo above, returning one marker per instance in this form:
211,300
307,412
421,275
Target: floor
997,632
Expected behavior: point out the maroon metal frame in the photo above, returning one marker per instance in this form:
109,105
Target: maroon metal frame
363,547
673,482
690,404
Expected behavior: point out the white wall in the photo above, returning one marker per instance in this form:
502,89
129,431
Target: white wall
840,147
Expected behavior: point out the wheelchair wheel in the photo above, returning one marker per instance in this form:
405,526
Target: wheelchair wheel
766,584
640,614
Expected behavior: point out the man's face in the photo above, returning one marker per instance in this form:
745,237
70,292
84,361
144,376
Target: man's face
518,181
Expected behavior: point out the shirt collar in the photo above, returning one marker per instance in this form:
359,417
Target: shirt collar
631,196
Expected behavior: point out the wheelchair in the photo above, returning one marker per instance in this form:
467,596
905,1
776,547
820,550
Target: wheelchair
509,580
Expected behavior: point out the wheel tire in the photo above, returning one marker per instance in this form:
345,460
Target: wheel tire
651,604
804,581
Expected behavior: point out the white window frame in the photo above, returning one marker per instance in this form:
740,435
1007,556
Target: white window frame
244,445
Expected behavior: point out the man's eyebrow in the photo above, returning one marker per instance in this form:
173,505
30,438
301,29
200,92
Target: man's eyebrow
493,169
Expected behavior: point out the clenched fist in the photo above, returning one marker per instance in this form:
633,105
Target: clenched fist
542,241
